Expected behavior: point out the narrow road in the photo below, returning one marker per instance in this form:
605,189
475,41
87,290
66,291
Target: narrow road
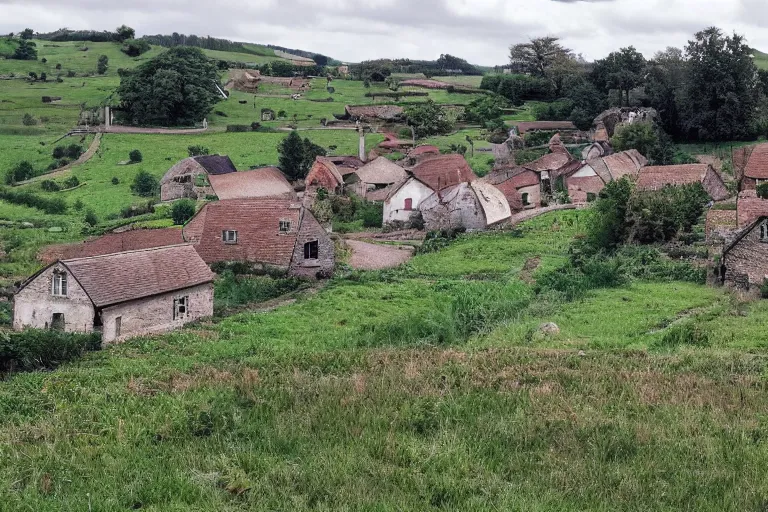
92,149
367,256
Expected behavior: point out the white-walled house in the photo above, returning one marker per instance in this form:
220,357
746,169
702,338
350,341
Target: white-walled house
405,200
122,295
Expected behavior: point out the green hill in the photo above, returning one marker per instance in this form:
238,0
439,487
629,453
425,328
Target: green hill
761,59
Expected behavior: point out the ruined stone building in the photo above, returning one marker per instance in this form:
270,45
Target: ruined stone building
521,186
268,233
190,177
744,263
473,206
121,295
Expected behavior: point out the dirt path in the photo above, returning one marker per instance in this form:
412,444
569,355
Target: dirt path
92,149
153,131
367,256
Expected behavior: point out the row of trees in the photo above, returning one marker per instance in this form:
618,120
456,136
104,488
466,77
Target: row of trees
379,70
710,90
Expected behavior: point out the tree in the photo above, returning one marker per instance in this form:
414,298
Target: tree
607,226
665,75
320,60
27,50
182,211
90,217
622,70
720,95
541,56
639,136
177,88
135,47
20,172
144,184
297,156
485,109
27,33
123,33
428,119
102,65
135,156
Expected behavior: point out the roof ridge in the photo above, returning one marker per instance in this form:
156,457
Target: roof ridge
127,252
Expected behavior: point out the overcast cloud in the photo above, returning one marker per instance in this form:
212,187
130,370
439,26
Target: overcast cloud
479,30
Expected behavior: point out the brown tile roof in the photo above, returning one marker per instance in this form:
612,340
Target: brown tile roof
550,162
381,171
384,112
493,201
346,164
381,194
655,178
324,173
518,177
266,182
598,165
757,166
749,207
125,276
621,164
112,243
527,126
442,171
424,150
215,164
257,222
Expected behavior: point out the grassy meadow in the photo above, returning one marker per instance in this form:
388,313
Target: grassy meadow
423,388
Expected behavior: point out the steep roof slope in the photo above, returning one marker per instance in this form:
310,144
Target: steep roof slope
493,202
381,171
112,243
216,164
266,182
442,171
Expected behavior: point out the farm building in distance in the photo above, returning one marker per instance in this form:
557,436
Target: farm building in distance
374,180
271,233
111,243
190,177
122,295
750,166
324,175
658,177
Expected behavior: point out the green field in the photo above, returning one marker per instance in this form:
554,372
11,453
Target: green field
424,388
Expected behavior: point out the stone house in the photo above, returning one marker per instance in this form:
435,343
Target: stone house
373,180
268,233
473,206
750,166
520,186
658,177
744,264
190,177
324,174
121,295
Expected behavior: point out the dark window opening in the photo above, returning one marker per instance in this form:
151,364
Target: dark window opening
118,326
525,200
311,250
764,232
57,322
180,307
285,226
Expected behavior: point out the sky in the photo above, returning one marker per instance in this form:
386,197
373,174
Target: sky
480,31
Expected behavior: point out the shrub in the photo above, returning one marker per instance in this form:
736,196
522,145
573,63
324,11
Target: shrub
42,349
20,172
55,206
71,74
50,186
197,151
28,120
71,182
43,77
373,215
144,184
232,291
182,211
90,218
135,47
79,205
102,65
115,180
238,128
134,211
135,156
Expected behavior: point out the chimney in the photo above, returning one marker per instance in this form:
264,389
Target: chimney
362,144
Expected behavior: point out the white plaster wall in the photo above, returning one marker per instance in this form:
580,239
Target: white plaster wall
155,314
534,195
34,306
394,208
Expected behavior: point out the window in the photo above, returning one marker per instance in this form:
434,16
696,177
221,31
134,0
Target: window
118,326
59,284
57,322
311,250
409,204
180,308
764,232
525,200
229,237
285,226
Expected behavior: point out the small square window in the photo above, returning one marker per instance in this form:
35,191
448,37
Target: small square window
311,250
59,284
285,226
180,307
229,237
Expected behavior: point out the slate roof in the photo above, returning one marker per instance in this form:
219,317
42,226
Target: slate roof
265,182
215,164
381,171
442,171
112,243
757,165
527,126
257,222
655,178
117,278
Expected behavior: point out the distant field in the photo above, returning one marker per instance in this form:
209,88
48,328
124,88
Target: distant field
469,81
247,58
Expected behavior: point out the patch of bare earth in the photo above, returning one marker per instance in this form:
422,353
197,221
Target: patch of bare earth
366,256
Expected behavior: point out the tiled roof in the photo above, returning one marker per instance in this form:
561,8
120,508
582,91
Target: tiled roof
443,171
550,162
655,178
215,164
266,182
757,166
518,177
257,222
125,276
381,171
527,126
621,164
346,164
385,112
424,150
598,165
112,243
379,195
750,207
323,172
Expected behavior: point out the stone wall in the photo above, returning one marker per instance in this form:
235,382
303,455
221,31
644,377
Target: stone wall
155,314
454,208
323,266
746,264
34,305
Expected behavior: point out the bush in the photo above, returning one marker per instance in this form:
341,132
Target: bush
55,206
50,186
28,120
42,349
197,151
135,156
182,211
90,218
373,215
233,291
135,47
134,211
115,180
71,74
238,128
71,182
145,185
20,172
73,151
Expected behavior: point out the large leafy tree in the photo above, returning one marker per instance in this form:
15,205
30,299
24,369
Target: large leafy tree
622,70
177,88
545,57
639,136
123,33
665,75
25,51
428,119
721,91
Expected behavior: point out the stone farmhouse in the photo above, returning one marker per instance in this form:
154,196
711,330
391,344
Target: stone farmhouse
121,295
586,179
658,177
190,177
744,264
324,175
521,186
473,206
750,166
268,233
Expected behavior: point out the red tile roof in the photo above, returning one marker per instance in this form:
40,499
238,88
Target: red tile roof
257,222
122,277
757,166
621,164
265,182
324,173
550,162
442,171
112,243
655,178
749,208
424,150
527,126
